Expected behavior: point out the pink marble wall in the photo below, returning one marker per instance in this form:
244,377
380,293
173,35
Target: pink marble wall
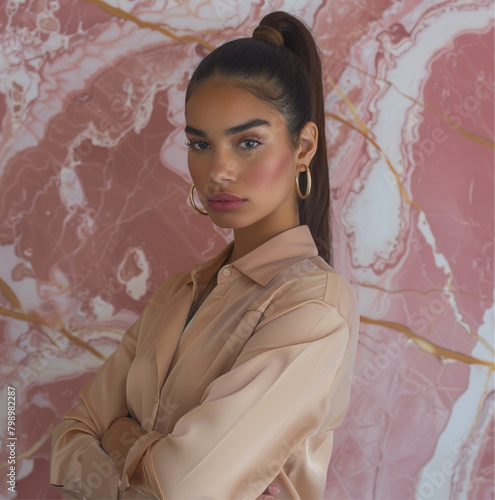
94,214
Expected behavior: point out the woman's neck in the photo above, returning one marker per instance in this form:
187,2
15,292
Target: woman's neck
248,238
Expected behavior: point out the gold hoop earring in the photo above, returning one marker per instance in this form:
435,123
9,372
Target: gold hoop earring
191,199
308,184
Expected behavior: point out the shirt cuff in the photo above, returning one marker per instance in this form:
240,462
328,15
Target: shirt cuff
135,455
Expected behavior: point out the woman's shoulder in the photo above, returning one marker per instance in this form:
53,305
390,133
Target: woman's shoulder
311,280
168,287
309,300
338,291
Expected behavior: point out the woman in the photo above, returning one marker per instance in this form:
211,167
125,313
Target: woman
231,382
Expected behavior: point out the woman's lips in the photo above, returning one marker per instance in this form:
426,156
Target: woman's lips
225,201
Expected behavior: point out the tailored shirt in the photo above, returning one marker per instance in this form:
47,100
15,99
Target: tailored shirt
248,393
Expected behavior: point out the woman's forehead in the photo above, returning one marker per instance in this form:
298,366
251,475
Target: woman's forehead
228,103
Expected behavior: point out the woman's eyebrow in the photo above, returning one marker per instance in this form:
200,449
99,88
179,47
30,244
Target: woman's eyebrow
195,131
245,126
236,129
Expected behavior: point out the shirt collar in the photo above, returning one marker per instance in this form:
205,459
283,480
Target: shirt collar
265,261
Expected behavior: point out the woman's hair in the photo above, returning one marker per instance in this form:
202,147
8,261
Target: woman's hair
281,65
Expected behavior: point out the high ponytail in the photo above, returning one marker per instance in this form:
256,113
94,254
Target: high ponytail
281,64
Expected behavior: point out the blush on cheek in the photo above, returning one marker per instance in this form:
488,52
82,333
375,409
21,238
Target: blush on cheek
269,172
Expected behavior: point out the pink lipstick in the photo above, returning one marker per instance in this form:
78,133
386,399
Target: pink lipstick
225,201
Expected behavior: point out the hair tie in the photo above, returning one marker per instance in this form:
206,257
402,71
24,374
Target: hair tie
269,34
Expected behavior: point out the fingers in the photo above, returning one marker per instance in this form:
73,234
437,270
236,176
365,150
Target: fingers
272,490
267,494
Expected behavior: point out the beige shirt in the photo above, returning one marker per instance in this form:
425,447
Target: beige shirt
249,392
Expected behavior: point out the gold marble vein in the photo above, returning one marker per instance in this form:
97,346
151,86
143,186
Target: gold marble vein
427,346
367,136
126,16
468,135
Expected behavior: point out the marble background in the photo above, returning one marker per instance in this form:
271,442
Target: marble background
94,213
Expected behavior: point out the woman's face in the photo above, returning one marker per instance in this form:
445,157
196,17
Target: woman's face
240,157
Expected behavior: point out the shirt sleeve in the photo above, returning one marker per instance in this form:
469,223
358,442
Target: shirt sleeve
285,386
80,468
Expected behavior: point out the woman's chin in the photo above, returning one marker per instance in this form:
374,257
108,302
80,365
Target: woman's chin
228,221
226,225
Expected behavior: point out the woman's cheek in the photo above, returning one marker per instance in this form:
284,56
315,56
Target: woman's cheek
268,172
195,170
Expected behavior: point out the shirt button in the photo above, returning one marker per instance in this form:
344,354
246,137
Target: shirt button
226,271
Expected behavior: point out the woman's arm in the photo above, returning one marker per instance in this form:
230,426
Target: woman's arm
121,435
80,468
119,439
291,379
250,419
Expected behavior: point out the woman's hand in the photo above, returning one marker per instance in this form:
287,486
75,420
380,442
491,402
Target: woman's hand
269,493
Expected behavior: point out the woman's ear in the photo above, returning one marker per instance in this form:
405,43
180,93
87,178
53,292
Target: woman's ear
308,142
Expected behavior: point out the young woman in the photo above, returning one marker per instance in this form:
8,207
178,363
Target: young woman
232,381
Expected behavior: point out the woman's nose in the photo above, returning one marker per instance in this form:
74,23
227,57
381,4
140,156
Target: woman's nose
223,167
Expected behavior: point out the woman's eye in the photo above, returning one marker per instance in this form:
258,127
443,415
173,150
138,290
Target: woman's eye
250,143
197,145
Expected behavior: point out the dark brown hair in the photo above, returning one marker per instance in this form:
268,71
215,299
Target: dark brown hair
281,65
